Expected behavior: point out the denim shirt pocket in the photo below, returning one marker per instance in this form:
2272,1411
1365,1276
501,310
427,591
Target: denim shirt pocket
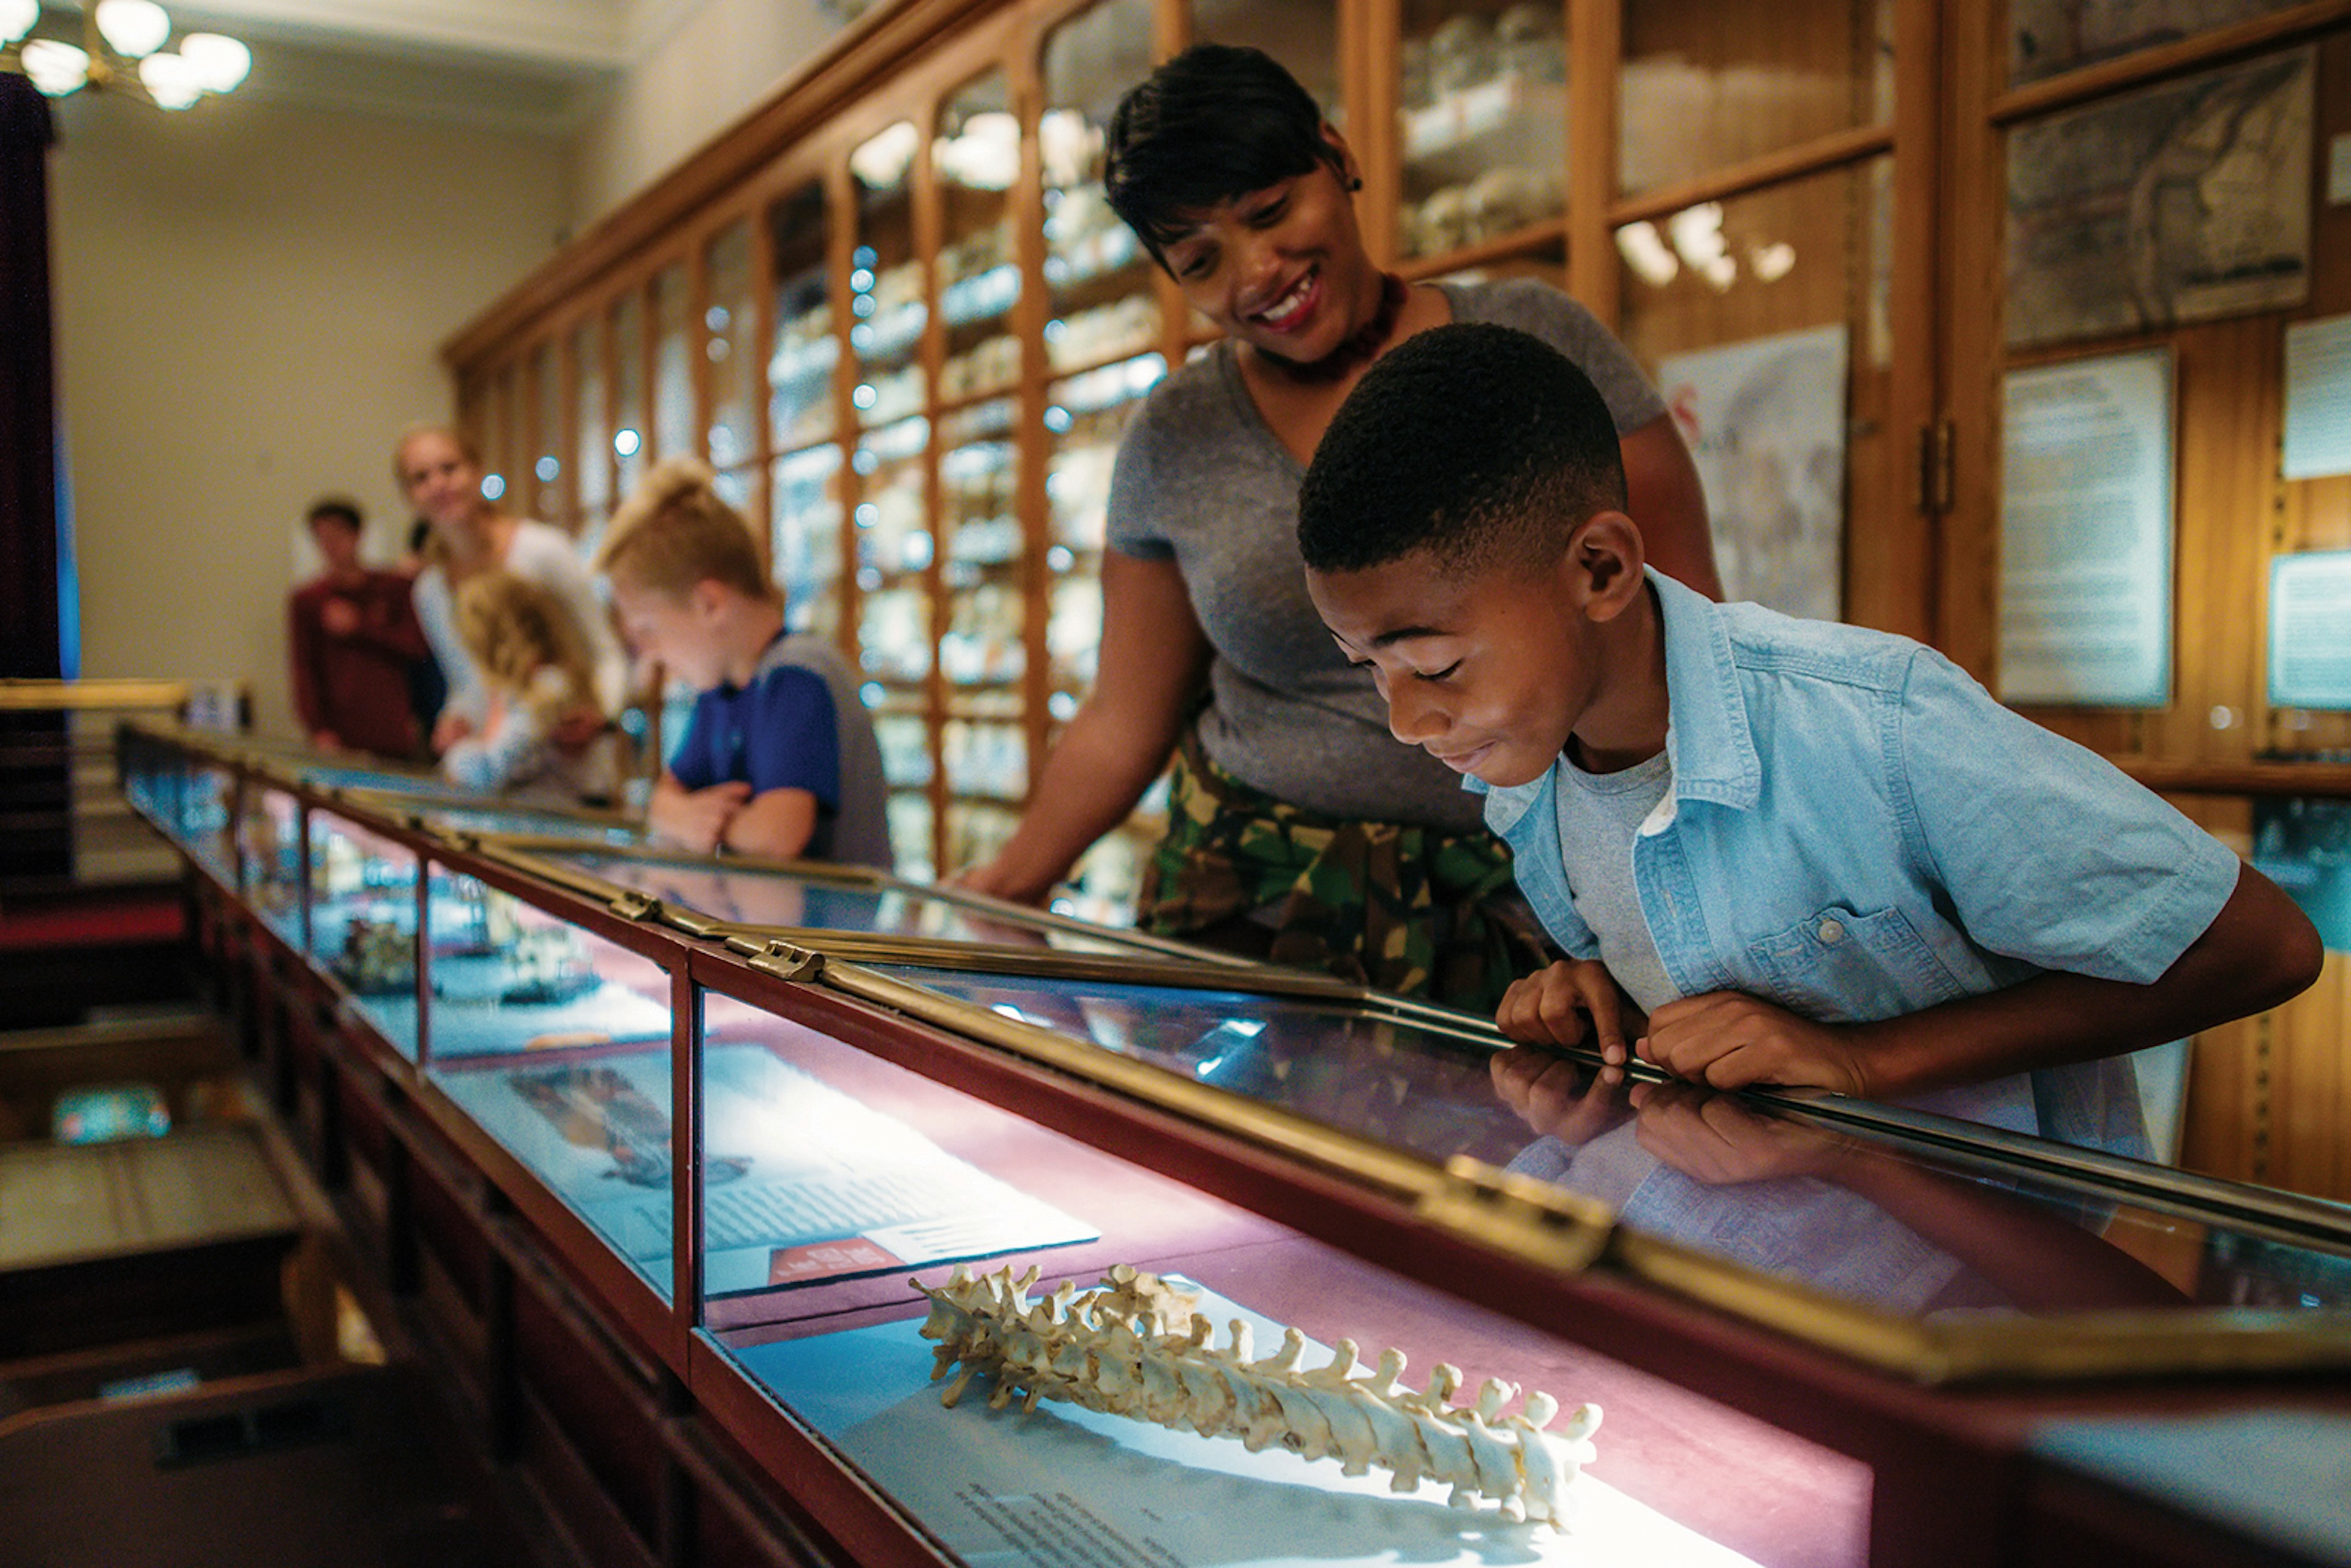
1836,966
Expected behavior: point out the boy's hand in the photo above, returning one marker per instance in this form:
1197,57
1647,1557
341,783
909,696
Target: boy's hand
1728,1040
696,819
1558,1097
449,730
1573,999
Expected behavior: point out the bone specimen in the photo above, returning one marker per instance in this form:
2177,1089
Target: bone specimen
1132,1345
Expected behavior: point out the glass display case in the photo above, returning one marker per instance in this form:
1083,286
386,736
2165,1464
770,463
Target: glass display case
847,906
363,921
270,857
554,1041
876,1079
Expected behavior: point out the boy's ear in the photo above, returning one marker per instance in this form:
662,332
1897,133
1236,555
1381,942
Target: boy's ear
708,597
1604,558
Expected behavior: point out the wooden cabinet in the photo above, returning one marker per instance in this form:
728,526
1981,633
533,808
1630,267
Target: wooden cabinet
905,256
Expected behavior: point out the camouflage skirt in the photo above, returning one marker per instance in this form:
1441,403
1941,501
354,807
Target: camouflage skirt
1405,909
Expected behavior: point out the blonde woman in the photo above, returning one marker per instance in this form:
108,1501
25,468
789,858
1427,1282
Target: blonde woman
441,474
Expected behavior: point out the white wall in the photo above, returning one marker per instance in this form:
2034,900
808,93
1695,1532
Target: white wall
250,301
702,65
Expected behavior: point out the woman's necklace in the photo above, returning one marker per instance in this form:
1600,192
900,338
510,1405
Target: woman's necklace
1358,347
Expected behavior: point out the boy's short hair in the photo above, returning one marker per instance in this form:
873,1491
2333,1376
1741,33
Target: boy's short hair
674,531
1216,123
1480,445
342,508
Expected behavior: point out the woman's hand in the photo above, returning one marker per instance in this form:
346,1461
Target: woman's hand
1573,1002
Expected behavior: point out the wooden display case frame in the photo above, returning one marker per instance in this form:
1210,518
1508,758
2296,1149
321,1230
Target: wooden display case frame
474,1242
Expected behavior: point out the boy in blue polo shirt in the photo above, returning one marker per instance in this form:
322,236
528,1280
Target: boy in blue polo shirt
1775,850
779,757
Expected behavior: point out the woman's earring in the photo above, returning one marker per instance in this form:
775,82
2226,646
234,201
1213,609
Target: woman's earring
1356,184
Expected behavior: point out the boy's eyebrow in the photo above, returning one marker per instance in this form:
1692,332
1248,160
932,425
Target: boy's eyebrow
1406,634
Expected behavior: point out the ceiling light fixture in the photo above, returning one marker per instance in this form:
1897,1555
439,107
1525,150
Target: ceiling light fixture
121,47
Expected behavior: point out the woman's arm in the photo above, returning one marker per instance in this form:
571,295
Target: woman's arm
1664,498
547,557
467,702
1154,658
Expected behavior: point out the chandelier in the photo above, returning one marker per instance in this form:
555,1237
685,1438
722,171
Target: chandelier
121,47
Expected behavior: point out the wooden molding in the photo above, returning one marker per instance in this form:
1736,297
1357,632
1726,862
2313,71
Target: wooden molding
865,53
2168,62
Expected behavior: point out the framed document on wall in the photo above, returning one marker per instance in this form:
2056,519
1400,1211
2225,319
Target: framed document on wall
2310,629
2086,534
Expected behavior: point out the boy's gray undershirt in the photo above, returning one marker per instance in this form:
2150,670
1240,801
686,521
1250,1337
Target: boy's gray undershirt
1600,815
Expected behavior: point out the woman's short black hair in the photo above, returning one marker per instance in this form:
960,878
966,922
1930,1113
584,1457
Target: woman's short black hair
1216,123
1481,444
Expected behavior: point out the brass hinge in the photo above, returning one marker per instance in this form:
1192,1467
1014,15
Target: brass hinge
786,962
1936,442
636,906
1546,1224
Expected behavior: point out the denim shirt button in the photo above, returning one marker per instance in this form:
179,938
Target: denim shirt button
1831,932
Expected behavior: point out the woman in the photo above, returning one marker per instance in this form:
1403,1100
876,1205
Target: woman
1300,829
441,474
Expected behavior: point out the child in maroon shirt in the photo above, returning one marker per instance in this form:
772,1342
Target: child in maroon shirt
353,638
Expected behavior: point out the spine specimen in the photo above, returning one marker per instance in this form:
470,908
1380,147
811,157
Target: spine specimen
1132,1346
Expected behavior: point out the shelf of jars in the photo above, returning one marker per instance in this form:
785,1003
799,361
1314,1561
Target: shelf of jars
1481,127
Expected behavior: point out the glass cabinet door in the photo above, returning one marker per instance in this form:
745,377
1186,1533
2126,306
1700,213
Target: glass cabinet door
1105,346
1777,330
1704,86
730,317
542,490
674,421
890,309
627,392
804,483
591,440
1482,119
984,568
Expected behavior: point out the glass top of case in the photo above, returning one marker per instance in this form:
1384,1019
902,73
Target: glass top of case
1870,1217
779,898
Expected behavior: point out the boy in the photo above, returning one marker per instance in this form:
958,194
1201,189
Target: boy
353,638
1775,850
779,758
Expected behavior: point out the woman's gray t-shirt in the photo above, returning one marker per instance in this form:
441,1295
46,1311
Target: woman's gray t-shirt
1203,481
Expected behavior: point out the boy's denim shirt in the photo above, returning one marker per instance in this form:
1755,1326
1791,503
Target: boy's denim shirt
1856,829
